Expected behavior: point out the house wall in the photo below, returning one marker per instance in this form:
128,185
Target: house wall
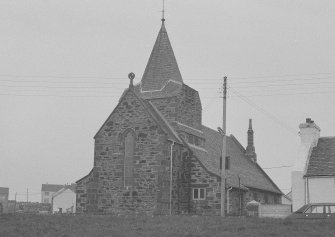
65,200
321,189
298,190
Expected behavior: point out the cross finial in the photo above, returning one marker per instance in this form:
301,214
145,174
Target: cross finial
163,11
131,76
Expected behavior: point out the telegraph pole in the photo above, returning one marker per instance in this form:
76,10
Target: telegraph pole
224,149
15,203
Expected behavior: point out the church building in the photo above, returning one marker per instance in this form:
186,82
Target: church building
153,155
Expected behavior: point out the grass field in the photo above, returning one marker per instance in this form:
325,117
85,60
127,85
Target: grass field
65,226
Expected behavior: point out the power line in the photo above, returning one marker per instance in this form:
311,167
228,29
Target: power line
286,94
268,114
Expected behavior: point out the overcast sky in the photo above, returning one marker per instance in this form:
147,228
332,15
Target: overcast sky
64,65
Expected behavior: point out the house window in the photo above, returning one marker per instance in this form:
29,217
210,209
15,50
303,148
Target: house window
129,145
46,193
227,163
194,140
199,194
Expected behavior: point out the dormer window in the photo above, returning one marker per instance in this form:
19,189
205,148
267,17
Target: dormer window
194,140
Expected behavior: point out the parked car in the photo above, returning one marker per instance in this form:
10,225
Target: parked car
314,211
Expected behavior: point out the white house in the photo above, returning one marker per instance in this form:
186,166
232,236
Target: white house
313,176
64,201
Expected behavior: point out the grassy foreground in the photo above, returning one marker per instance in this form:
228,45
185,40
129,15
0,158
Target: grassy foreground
66,226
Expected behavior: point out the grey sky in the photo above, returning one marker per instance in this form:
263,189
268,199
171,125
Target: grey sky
64,65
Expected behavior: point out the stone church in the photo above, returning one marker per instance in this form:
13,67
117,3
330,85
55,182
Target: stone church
153,155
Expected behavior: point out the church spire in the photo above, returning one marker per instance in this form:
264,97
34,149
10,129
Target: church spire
250,150
162,65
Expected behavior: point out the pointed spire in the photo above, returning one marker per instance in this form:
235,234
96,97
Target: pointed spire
250,150
162,66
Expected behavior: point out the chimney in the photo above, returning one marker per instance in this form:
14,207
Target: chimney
250,150
309,136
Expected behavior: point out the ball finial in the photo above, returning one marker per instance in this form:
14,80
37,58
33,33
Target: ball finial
131,76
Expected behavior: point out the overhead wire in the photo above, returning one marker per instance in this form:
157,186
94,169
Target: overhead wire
263,111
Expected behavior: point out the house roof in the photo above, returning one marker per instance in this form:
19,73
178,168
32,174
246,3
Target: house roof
322,158
62,190
4,190
250,173
162,66
51,187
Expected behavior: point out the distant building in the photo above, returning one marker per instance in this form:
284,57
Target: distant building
64,200
48,190
153,154
4,192
313,176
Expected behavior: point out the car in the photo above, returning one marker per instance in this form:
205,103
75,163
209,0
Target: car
314,211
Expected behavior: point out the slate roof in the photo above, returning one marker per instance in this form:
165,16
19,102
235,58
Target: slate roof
4,190
51,187
162,66
250,173
322,158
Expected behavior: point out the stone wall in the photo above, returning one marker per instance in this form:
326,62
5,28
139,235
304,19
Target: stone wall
189,108
87,193
184,108
150,192
200,178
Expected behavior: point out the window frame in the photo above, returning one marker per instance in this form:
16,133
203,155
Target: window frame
199,198
128,181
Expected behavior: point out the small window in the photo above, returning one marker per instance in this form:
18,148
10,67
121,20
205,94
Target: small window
46,193
332,209
199,194
196,141
227,163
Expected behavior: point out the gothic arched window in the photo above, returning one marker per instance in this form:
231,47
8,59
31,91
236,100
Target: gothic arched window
129,146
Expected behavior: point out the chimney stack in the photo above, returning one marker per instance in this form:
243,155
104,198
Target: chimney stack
250,150
309,136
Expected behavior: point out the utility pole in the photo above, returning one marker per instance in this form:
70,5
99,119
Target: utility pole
27,195
224,149
15,203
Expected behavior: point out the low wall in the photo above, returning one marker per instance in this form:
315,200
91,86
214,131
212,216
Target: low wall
275,210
